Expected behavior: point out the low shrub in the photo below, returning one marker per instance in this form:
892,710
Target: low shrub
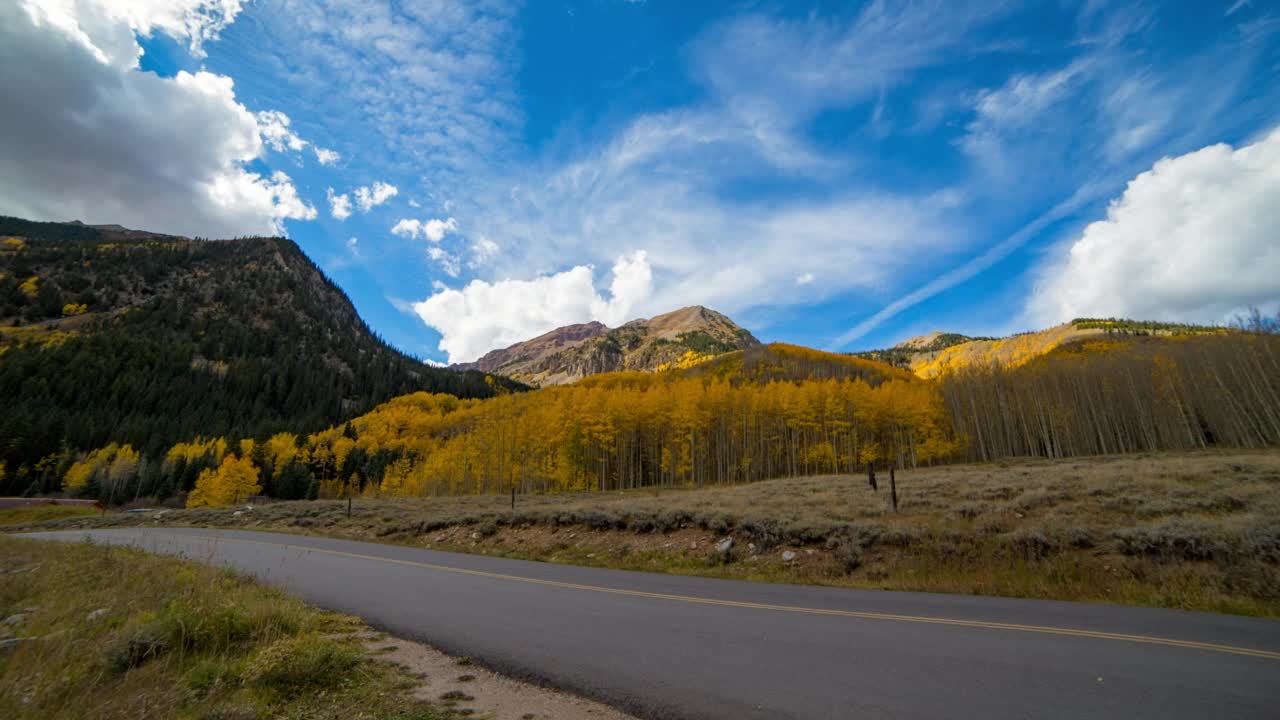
141,645
304,662
848,556
1029,544
1176,539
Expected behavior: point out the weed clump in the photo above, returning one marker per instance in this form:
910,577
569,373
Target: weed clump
146,643
303,662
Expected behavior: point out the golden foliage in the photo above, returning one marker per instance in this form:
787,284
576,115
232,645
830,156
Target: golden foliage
685,361
235,480
621,430
280,450
73,309
113,463
30,286
200,449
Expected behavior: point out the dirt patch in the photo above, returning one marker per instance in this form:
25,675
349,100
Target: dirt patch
465,687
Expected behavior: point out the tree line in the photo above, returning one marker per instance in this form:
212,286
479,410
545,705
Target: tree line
1114,396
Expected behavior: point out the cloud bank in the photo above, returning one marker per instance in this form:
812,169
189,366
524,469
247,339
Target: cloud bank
483,315
1192,239
100,141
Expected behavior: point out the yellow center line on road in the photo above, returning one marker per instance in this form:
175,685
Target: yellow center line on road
692,599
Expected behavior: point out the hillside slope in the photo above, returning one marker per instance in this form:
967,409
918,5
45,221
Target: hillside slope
570,353
931,355
113,335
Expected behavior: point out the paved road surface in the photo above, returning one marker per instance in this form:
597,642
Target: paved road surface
665,646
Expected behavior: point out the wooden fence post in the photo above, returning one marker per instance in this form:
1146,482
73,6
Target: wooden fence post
348,506
513,498
893,489
871,476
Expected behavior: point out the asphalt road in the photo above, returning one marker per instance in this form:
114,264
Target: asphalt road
665,646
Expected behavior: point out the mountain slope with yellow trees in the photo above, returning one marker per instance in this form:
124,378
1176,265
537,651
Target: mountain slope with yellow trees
768,411
929,356
676,339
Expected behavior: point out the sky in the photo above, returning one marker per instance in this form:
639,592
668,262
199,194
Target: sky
836,174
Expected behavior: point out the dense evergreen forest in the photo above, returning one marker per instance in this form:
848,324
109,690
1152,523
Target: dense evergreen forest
113,336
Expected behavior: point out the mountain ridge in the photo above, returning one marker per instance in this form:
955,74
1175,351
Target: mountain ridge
571,352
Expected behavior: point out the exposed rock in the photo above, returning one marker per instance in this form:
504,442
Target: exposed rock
91,617
724,545
570,353
788,555
15,619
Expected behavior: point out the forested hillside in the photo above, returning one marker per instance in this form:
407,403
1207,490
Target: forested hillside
766,412
109,335
783,411
770,411
938,353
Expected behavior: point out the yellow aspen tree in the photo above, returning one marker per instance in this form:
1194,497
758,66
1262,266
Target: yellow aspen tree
234,481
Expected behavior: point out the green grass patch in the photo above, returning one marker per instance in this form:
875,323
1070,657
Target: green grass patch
109,632
43,513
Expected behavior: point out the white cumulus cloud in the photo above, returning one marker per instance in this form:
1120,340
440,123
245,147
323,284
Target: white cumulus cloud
433,229
106,28
100,141
276,133
367,198
325,156
485,315
339,205
1192,239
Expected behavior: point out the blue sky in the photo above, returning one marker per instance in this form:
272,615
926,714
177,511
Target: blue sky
840,175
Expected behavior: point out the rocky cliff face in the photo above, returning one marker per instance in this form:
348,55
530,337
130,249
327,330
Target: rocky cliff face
573,352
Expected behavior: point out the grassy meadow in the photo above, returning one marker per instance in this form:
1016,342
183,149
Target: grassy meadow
107,632
43,513
1190,530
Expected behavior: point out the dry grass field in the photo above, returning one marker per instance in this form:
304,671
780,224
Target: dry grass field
1196,530
179,639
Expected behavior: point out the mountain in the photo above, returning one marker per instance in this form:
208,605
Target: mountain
573,352
114,335
932,355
